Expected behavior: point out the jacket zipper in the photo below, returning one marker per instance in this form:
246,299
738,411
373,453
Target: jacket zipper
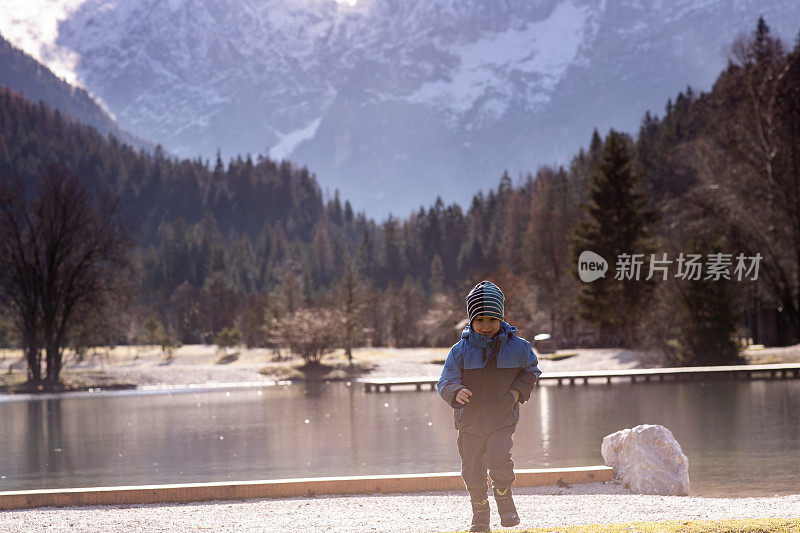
483,390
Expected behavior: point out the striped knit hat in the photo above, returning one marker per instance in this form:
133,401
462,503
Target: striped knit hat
485,299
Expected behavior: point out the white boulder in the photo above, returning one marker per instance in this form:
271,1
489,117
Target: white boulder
648,460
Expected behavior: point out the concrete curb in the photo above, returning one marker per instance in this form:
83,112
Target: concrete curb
284,488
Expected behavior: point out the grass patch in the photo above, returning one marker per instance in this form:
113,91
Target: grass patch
764,360
334,371
227,359
750,525
770,358
17,382
558,356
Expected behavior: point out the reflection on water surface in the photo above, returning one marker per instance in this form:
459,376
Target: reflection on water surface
742,438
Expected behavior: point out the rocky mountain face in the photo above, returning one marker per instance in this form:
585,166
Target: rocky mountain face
394,102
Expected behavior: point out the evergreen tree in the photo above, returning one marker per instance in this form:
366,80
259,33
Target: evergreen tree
707,319
436,282
618,220
392,261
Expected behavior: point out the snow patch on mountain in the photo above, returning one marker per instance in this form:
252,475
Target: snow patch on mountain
287,142
541,52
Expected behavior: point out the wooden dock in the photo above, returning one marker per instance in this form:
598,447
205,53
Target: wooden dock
375,385
688,373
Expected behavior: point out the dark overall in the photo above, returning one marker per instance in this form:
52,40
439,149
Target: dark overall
487,422
486,427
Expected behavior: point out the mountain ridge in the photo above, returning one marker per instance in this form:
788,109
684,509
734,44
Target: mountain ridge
385,99
23,74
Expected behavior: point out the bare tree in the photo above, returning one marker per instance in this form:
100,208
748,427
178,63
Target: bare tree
554,211
19,284
748,171
218,304
350,305
63,251
440,320
311,333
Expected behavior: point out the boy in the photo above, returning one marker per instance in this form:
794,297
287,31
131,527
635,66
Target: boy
485,377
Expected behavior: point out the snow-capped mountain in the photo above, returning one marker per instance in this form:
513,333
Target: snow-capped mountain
396,101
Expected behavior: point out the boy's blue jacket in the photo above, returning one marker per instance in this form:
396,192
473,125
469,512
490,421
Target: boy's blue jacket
490,369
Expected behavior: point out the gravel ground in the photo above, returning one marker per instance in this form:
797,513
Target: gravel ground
442,511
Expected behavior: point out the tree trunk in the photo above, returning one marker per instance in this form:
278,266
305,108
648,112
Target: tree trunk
348,348
788,303
33,357
34,364
53,363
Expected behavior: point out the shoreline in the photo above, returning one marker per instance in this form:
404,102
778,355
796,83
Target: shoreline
548,506
145,369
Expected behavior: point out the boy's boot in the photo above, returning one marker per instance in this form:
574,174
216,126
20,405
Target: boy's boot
505,507
480,512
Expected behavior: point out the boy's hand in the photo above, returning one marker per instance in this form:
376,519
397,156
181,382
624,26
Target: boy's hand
462,396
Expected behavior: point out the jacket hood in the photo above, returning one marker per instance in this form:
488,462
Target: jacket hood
482,341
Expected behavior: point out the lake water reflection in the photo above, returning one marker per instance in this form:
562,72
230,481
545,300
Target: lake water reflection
742,438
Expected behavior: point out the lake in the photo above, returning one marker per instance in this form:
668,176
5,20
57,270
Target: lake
741,438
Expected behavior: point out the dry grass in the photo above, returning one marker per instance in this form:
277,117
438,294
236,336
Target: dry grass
759,355
751,525
558,356
327,370
16,382
110,368
423,355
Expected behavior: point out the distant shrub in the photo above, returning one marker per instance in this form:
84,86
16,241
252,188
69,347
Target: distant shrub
169,344
228,338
